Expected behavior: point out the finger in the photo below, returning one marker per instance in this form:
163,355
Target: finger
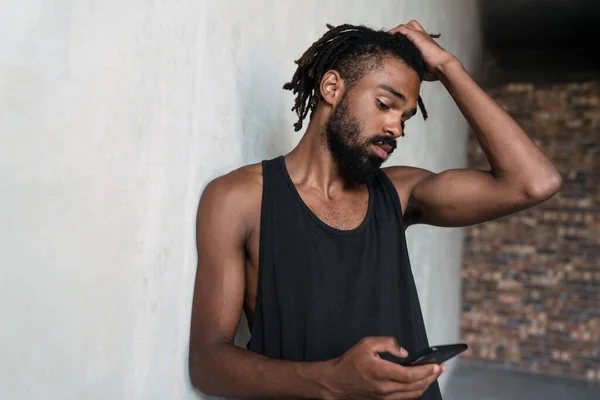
414,24
398,373
424,383
406,30
417,26
394,30
402,391
412,390
385,344
405,395
400,28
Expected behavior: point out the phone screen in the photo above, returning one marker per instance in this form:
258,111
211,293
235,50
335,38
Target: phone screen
435,354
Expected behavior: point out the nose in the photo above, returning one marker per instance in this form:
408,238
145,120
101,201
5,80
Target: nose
393,129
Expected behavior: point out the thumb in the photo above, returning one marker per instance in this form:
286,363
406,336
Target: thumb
387,344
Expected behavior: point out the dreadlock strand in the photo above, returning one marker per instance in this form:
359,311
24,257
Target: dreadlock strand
314,63
422,107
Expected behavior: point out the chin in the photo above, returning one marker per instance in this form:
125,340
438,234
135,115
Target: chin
363,172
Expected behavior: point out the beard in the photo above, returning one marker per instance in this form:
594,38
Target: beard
356,161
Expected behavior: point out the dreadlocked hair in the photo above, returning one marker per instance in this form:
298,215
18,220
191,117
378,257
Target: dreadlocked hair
352,51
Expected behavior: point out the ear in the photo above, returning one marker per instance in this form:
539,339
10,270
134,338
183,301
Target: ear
332,87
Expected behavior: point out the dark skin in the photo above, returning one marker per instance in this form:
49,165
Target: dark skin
229,221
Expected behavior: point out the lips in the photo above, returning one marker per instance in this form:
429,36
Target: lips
380,151
386,147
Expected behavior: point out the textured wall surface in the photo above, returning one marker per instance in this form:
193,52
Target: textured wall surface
532,281
113,117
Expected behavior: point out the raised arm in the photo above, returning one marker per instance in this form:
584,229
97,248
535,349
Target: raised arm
520,175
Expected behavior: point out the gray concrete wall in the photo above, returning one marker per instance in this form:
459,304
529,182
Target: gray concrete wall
113,117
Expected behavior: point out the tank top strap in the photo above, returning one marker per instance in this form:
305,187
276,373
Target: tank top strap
272,193
387,198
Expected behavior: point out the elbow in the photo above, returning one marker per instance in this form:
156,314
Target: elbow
197,369
195,372
195,376
206,367
544,188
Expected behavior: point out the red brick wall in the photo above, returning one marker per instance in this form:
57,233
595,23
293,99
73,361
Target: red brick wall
531,281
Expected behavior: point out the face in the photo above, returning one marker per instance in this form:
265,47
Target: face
364,126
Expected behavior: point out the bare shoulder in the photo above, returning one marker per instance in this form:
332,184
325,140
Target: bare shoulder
405,179
238,181
236,196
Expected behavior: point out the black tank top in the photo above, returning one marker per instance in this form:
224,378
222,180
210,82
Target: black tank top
320,289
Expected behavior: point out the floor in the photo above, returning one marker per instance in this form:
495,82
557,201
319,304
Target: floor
484,383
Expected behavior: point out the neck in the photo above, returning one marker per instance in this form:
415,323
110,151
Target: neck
311,163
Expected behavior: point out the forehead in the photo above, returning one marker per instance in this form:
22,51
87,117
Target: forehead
396,75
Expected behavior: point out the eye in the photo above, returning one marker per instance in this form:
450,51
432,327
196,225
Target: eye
381,105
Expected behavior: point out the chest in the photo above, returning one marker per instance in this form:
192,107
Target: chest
345,212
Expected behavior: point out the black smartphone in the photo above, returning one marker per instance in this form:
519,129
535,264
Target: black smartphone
430,355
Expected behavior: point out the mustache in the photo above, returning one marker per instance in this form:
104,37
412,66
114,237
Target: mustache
384,140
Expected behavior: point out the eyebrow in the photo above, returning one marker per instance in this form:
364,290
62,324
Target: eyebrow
399,95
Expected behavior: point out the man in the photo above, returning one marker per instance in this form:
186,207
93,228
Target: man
332,296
